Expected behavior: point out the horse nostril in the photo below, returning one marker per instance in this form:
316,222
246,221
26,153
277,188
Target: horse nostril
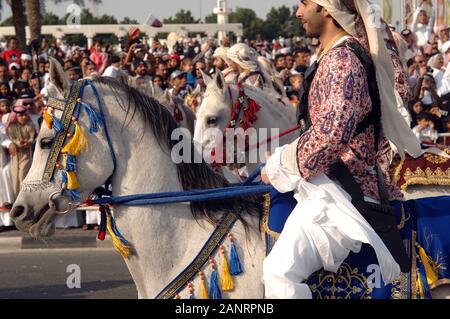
16,211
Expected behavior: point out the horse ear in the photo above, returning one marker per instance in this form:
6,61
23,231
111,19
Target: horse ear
206,78
168,97
220,81
58,77
198,90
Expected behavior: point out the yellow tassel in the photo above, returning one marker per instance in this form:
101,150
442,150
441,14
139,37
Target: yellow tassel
72,181
227,280
420,287
203,288
77,143
430,271
123,249
48,120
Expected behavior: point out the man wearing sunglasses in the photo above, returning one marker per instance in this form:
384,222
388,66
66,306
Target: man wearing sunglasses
411,40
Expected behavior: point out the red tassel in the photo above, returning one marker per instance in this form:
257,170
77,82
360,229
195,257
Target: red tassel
250,114
101,235
177,114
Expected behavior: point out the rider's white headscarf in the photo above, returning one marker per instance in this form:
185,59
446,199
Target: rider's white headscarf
221,52
244,55
395,128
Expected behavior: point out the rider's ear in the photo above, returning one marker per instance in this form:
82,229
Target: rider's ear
220,81
58,77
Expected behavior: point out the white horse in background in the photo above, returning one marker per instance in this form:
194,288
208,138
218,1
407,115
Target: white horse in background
165,238
214,113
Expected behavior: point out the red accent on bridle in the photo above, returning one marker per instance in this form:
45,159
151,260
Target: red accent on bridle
249,117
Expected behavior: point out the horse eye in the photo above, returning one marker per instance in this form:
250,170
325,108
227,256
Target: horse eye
211,121
46,143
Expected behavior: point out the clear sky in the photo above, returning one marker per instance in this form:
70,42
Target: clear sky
141,9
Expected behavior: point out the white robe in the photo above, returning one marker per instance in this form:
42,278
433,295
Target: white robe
320,233
6,189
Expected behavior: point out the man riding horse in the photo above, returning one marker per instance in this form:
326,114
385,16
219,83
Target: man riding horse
348,105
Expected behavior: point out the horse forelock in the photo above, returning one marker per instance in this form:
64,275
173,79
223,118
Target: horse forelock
192,176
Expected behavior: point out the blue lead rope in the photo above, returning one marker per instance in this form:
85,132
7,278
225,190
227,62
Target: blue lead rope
245,189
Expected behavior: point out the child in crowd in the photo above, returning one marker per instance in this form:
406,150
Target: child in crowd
424,130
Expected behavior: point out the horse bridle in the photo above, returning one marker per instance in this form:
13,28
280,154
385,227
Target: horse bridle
70,108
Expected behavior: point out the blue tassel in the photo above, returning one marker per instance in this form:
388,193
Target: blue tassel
74,195
115,229
192,296
64,178
95,120
214,289
71,163
57,124
235,264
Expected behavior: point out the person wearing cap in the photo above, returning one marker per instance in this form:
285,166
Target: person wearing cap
12,54
178,84
141,77
25,61
174,62
14,74
22,132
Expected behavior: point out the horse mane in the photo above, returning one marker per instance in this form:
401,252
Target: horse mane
192,176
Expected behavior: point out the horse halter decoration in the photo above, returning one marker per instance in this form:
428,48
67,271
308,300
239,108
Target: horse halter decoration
68,128
243,111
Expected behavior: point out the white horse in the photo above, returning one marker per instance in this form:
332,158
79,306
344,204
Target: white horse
215,111
165,238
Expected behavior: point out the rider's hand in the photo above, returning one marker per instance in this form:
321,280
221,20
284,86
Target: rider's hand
265,179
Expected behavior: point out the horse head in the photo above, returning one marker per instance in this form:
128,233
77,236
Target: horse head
52,189
214,112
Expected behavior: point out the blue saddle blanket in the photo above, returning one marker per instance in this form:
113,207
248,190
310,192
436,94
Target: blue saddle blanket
423,224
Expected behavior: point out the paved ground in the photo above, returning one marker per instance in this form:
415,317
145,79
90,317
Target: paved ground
42,273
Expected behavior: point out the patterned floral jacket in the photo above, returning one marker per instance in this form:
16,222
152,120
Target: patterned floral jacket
339,100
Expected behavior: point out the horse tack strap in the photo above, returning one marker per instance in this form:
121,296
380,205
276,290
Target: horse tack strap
66,120
56,103
196,265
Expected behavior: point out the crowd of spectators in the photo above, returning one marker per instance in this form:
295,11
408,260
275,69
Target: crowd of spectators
180,67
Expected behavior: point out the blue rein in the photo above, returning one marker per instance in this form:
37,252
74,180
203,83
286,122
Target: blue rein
245,189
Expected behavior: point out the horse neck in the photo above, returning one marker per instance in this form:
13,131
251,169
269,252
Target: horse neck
144,166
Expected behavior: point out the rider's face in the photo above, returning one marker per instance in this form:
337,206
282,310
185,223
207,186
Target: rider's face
311,17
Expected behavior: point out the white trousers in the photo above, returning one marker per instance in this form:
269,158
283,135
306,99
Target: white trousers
295,257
